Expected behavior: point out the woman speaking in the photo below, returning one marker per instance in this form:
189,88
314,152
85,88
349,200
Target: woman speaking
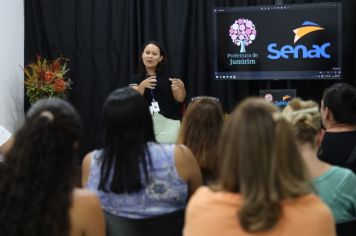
163,93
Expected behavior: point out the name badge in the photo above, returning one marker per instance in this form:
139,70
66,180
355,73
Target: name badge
154,108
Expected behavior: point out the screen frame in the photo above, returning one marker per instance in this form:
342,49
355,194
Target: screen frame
277,74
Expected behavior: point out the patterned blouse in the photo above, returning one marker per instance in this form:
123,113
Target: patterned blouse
166,192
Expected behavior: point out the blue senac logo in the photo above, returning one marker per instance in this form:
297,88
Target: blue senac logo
300,51
281,103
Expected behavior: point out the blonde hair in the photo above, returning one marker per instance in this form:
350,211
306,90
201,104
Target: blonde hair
262,162
305,118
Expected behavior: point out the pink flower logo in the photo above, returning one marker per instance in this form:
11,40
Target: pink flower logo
242,33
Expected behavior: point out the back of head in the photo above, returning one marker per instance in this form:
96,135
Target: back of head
340,98
37,176
305,118
262,162
126,118
48,138
128,127
200,130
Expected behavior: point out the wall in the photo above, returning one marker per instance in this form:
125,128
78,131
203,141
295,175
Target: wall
11,58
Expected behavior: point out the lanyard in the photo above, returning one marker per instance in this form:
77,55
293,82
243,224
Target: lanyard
152,95
151,91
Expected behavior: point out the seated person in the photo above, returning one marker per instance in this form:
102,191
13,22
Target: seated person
335,185
264,187
37,194
136,177
200,130
338,114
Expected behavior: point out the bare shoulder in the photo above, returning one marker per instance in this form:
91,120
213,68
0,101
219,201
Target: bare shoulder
87,159
86,168
87,217
183,158
84,198
183,155
84,204
187,167
83,193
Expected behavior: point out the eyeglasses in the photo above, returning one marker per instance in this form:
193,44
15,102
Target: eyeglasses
215,99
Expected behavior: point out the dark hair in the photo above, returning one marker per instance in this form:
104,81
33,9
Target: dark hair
200,130
265,169
340,98
161,65
37,176
128,127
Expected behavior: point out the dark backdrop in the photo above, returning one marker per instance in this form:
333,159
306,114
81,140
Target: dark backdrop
102,39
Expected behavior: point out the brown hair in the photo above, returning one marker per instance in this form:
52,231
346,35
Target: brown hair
262,162
305,118
200,130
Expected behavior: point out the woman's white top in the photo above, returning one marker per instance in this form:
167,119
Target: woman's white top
4,135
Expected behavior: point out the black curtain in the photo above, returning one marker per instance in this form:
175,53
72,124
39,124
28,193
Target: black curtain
102,39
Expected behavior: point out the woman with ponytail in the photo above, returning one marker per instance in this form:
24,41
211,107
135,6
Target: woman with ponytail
264,187
37,195
334,184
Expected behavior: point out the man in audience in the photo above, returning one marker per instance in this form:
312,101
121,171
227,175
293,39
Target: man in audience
338,113
335,185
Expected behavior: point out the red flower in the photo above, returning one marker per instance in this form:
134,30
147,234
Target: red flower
48,76
59,85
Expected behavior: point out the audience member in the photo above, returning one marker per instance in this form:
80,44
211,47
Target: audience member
163,93
338,113
200,130
335,185
37,195
134,176
264,187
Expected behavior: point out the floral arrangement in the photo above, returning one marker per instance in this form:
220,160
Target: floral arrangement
46,78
